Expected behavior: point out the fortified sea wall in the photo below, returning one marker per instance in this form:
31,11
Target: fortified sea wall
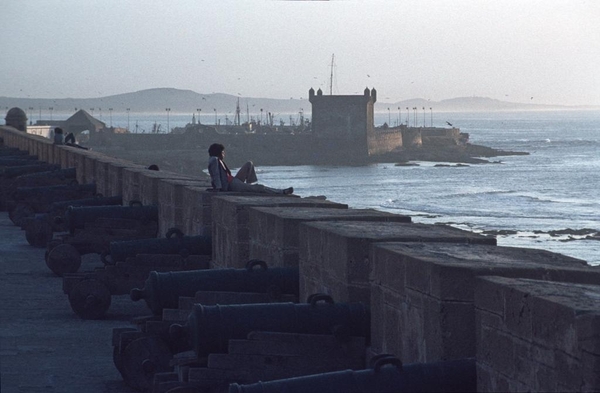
531,318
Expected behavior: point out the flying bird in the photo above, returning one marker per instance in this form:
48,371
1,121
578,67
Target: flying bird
450,124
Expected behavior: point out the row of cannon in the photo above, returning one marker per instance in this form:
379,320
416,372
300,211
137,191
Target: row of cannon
198,313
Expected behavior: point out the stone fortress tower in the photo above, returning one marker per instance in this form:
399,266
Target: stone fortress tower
349,119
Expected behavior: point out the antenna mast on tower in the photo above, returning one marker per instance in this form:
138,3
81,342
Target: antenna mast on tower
331,76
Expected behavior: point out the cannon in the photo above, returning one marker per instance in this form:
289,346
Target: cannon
138,355
78,216
26,201
174,242
12,152
387,375
209,328
28,167
162,290
8,176
17,160
94,228
37,179
47,178
90,293
39,229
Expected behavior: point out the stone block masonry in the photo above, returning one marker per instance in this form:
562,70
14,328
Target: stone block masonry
423,295
334,255
537,335
231,231
274,230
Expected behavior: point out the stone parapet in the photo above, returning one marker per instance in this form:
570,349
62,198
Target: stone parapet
231,231
113,177
335,255
423,295
274,230
537,335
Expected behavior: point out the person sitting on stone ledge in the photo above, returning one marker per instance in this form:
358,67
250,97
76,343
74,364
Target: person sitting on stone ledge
223,180
59,138
68,140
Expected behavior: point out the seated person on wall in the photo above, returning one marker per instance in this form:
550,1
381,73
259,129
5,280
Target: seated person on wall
222,179
70,141
59,138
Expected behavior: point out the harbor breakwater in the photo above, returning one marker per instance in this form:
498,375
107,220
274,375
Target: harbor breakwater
529,317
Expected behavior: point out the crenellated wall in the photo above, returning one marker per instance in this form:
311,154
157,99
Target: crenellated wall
429,287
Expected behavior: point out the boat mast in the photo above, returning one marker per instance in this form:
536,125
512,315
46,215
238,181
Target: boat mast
331,76
237,121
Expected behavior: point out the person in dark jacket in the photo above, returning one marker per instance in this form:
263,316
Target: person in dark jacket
244,180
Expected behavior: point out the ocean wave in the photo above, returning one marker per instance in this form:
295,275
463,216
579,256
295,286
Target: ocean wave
476,192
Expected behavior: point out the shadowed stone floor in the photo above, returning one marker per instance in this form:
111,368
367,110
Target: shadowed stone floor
44,346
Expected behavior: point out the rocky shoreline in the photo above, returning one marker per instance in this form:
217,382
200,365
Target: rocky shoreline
459,154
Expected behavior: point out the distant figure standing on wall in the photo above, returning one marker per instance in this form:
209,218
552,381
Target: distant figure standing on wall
223,180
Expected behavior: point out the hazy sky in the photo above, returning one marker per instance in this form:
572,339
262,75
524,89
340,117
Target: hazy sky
511,50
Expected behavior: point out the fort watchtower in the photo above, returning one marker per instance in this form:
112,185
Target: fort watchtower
349,119
347,122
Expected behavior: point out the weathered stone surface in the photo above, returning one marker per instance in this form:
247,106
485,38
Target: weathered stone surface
274,230
334,255
545,336
230,214
197,217
427,291
171,195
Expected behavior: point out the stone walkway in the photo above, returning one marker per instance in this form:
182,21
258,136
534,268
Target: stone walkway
44,346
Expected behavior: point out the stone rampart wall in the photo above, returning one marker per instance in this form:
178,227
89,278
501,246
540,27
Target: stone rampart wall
380,141
429,300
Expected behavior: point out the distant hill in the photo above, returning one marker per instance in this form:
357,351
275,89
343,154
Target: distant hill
188,101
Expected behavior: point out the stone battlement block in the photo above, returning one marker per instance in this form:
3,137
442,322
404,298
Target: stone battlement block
172,207
197,208
537,335
231,232
274,230
423,295
334,255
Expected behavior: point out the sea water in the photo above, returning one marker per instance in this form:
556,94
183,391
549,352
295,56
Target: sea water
549,199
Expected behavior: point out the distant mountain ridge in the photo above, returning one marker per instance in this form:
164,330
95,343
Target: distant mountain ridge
187,101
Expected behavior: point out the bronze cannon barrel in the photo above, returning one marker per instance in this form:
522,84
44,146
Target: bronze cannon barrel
209,328
50,194
17,161
30,167
25,201
78,216
163,289
47,178
387,375
38,231
59,208
179,244
12,151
